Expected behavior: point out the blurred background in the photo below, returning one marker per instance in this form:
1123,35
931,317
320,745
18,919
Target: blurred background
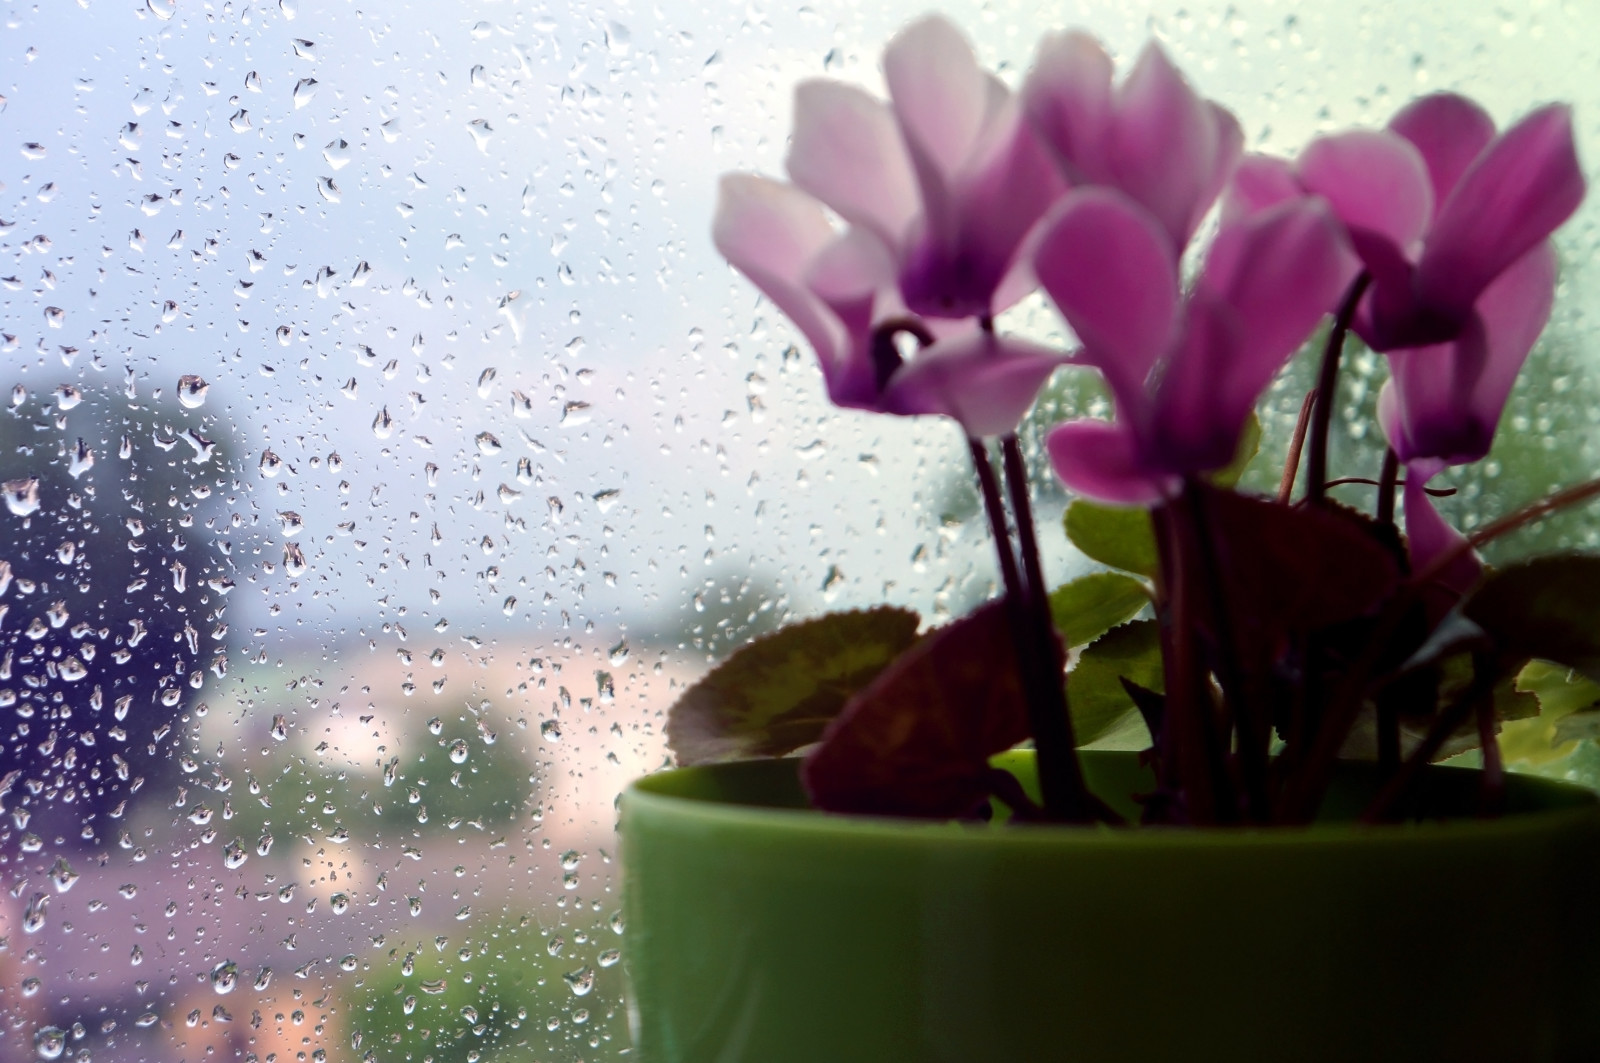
384,447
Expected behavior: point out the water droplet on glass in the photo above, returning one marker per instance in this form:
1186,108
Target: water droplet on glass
328,190
487,443
234,855
550,730
294,560
349,963
192,391
270,464
435,986
33,918
337,152
304,49
62,875
580,981
225,976
383,424
68,396
161,9
304,91
82,459
22,496
575,413
280,729
481,132
51,1041
289,523
458,751
618,39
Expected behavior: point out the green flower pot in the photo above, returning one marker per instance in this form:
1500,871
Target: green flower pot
762,932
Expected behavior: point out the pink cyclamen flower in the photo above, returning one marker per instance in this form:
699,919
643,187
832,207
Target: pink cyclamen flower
1185,374
939,190
1151,137
1452,223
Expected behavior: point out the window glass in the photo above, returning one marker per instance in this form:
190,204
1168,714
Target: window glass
386,446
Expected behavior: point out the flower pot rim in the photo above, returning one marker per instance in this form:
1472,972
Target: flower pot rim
702,794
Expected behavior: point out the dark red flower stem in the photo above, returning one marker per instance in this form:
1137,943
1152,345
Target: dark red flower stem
1388,479
1327,389
1297,442
1252,725
995,507
1061,781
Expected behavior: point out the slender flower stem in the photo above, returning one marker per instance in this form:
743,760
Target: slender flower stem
1387,479
1060,775
1252,726
1327,389
1297,442
995,507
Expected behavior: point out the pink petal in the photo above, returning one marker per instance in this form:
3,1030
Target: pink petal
771,232
1101,460
986,382
1206,392
1008,185
1429,537
1281,270
940,93
1259,182
1067,98
1447,399
1523,185
1111,270
1449,130
1169,148
854,276
1376,181
846,151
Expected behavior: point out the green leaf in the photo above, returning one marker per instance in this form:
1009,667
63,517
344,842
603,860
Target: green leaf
1121,538
778,693
1249,447
1089,606
1548,608
1561,693
1099,702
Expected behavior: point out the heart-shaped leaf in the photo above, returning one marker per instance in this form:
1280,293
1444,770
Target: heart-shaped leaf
917,741
1091,605
1547,608
779,693
1121,538
1100,700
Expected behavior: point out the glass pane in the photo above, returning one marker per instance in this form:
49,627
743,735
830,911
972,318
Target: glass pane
387,446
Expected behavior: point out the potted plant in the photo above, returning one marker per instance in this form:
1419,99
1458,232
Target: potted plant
1282,872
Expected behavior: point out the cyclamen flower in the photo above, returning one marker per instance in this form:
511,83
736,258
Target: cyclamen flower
938,191
1185,374
1452,223
1151,137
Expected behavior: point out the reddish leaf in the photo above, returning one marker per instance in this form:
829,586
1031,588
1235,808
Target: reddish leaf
916,742
1284,569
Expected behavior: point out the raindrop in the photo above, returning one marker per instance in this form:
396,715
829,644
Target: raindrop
485,383
62,875
328,189
435,987
481,132
72,670
383,424
304,91
606,499
458,751
294,560
280,731
609,957
290,523
619,652
263,978
348,963
252,81
22,496
192,391
82,459
270,464
33,919
225,976
337,152
304,49
240,120
19,395
487,443
580,981
339,903
550,730
618,39
162,9
575,413
51,1041
68,396
234,855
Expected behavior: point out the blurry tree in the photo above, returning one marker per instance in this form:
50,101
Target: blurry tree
114,570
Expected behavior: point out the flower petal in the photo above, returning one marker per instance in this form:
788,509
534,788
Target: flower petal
1259,182
1170,150
986,382
854,276
940,94
1445,400
1449,130
1375,180
1067,97
1521,187
1101,460
1112,272
1429,537
846,151
955,269
1278,272
771,232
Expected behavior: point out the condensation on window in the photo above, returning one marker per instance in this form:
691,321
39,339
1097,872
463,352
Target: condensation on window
384,446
